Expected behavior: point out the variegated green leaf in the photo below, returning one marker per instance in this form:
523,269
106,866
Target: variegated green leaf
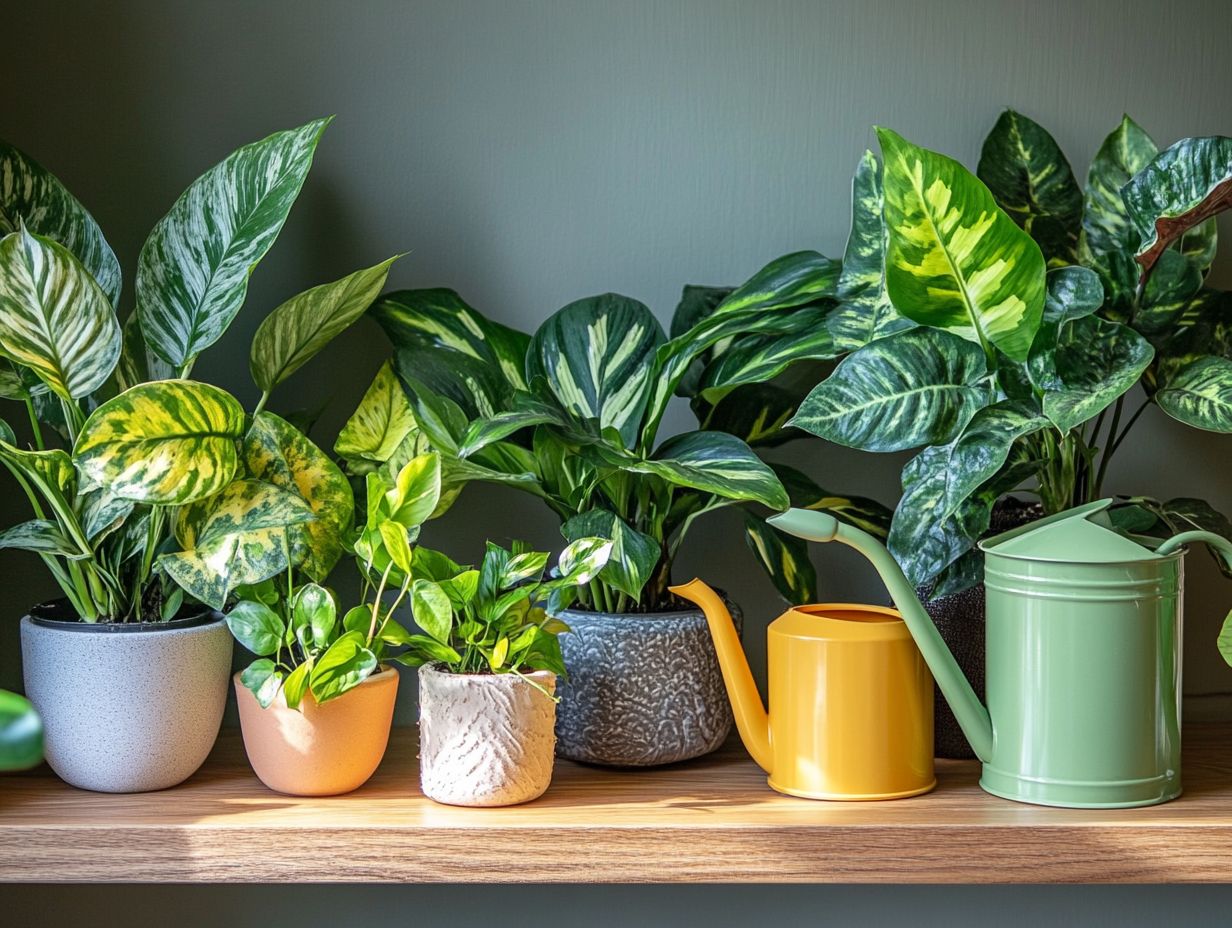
1095,361
30,194
54,318
596,356
955,260
1204,327
137,363
168,443
785,559
379,425
1032,181
949,490
236,537
915,388
1175,280
102,512
1109,239
525,411
293,333
278,453
1183,186
718,463
52,468
473,386
792,280
755,413
860,511
760,358
42,536
192,275
1199,393
633,555
696,303
864,311
419,318
1071,293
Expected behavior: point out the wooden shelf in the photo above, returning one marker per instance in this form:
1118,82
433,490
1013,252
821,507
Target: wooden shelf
713,820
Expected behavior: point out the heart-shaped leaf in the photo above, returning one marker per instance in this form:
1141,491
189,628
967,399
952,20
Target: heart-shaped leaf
234,538
1184,185
432,609
956,261
596,355
1199,393
257,627
31,195
918,387
1032,181
54,318
313,608
278,453
168,443
263,679
293,333
380,423
192,275
345,665
1071,293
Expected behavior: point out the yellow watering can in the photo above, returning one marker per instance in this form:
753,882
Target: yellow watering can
851,700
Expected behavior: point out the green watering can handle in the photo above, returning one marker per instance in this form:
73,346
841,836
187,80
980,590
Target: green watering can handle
1217,542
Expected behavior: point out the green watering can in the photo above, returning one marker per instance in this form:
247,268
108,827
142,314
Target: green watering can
1083,656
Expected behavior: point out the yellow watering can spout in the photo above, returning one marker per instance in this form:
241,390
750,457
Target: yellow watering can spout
970,712
751,719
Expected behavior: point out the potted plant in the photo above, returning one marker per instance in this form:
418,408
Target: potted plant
143,482
488,662
317,704
1037,309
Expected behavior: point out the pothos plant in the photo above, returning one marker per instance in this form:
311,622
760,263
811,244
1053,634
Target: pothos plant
570,415
145,484
1033,308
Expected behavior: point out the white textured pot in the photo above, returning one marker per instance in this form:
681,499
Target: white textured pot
127,707
485,739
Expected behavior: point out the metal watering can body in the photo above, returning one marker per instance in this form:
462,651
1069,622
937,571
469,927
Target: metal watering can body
850,700
1083,657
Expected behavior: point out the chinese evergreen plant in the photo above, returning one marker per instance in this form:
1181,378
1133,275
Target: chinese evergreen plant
1029,309
146,486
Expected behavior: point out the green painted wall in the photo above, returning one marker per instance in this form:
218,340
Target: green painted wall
528,153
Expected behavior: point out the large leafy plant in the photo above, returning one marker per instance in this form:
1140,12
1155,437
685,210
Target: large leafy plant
1037,307
571,415
145,484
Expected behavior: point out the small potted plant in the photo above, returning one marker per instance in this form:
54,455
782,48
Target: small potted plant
153,495
317,704
489,660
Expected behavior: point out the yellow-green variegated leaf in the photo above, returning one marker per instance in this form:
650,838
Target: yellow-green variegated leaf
718,463
137,363
864,513
192,275
956,261
54,317
278,453
785,559
167,443
1032,181
379,425
294,332
1092,364
233,538
760,358
31,195
1199,393
864,311
1109,239
440,318
596,355
755,413
1183,186
919,387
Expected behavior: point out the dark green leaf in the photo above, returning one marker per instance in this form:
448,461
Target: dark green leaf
1095,362
717,463
785,558
792,280
257,627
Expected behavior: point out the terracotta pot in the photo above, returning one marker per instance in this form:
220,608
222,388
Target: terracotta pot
485,739
319,750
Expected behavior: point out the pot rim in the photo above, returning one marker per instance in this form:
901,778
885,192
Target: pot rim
384,672
206,617
649,616
435,668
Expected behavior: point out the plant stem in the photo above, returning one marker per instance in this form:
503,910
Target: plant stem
376,602
261,404
1107,455
34,425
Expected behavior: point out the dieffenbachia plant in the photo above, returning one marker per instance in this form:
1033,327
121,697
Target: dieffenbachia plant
1037,309
163,485
571,415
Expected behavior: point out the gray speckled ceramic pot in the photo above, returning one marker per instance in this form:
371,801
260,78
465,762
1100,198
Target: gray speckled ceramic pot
643,690
127,708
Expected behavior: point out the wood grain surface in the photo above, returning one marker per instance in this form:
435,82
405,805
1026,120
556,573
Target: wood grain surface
712,820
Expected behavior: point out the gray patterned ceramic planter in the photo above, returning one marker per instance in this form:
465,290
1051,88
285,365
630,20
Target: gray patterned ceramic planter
643,690
126,707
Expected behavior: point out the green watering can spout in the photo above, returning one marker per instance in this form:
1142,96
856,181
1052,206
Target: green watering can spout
970,712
